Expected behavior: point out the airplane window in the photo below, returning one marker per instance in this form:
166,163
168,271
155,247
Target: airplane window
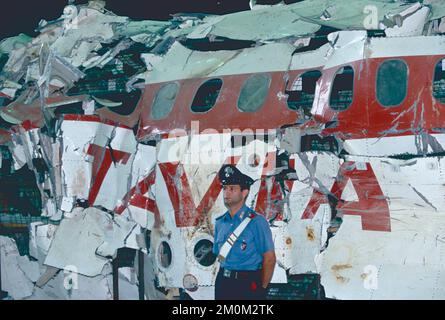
301,94
164,101
205,97
342,89
254,93
203,252
392,82
439,81
165,254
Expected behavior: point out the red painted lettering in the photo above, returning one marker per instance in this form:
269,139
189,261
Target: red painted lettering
372,206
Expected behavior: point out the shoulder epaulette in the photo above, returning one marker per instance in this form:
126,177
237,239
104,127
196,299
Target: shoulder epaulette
252,215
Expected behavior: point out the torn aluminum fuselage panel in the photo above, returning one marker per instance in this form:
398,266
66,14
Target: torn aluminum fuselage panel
390,226
41,155
367,127
96,160
13,43
51,156
300,211
88,240
344,16
309,218
139,204
18,272
189,196
413,25
369,265
29,147
438,11
28,112
305,18
137,28
69,285
223,113
182,63
407,184
89,24
56,70
259,25
40,238
314,59
24,147
180,179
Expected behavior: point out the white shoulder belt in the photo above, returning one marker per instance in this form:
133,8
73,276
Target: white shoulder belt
227,246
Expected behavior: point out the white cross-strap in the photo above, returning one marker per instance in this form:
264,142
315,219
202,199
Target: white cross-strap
227,246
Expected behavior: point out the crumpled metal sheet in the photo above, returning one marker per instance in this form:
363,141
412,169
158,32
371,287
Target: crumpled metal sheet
183,63
341,216
13,43
438,10
358,264
298,19
347,15
405,263
18,272
86,240
259,25
96,160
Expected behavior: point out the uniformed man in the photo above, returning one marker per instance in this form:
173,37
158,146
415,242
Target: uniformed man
243,243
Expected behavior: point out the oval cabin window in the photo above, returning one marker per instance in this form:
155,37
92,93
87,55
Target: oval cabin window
392,83
254,93
206,96
164,101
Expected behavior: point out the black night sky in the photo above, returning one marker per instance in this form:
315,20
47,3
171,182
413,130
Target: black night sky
24,16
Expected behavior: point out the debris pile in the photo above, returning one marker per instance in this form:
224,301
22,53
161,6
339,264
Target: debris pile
87,107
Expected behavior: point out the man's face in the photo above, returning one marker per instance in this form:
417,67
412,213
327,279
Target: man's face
233,195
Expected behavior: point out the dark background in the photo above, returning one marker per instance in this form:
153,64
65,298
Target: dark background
18,16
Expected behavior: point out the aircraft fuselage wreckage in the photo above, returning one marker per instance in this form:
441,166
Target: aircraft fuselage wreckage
334,108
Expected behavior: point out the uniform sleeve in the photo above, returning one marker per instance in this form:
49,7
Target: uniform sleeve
263,235
215,245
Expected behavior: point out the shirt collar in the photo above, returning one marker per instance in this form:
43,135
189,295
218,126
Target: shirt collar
240,214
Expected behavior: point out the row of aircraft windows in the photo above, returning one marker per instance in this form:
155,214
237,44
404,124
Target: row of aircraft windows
252,96
391,85
391,90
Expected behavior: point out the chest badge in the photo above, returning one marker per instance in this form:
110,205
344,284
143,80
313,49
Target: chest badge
243,245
